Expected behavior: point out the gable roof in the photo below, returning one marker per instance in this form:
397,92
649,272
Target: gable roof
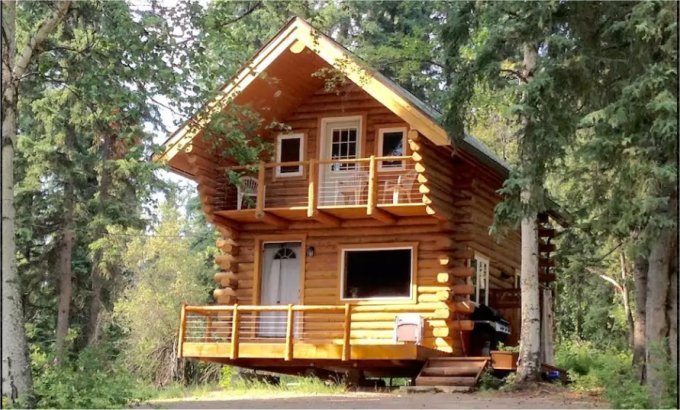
293,38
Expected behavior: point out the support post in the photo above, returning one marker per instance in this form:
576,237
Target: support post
372,186
289,333
346,348
259,204
234,333
182,329
311,190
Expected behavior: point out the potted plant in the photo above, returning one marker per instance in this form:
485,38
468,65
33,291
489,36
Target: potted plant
505,358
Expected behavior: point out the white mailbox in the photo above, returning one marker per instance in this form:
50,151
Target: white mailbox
408,327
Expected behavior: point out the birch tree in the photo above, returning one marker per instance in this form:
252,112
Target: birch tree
16,374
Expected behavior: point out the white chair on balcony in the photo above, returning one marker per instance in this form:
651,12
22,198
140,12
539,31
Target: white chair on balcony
404,184
350,185
246,189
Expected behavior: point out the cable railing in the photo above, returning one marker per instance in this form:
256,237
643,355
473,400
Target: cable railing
353,182
234,324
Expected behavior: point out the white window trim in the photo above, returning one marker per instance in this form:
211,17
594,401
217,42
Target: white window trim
327,123
279,140
485,259
342,273
381,133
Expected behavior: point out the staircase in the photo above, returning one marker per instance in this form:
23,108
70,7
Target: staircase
460,373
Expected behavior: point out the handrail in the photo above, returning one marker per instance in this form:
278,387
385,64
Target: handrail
319,161
259,308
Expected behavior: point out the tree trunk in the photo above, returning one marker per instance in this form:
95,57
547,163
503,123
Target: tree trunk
530,344
656,330
16,373
672,304
65,259
529,365
626,295
97,278
639,342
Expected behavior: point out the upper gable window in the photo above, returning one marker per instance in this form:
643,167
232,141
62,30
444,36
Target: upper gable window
289,148
391,143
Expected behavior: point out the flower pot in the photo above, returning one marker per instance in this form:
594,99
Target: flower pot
502,360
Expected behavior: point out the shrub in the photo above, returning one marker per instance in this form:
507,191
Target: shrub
487,381
610,372
89,381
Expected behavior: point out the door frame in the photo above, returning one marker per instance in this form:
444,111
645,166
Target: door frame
323,137
260,240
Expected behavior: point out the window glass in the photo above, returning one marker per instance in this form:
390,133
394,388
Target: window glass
344,146
290,151
377,273
392,144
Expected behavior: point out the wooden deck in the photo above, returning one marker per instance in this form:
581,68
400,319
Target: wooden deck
292,332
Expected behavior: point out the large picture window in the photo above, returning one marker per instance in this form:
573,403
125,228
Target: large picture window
377,273
289,148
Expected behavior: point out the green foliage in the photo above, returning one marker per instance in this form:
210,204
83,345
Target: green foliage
611,372
488,381
92,380
503,348
236,384
163,271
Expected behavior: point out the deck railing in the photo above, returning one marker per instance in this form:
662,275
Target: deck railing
358,182
234,324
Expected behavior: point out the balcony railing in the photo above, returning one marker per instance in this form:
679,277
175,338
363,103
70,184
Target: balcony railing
272,325
337,183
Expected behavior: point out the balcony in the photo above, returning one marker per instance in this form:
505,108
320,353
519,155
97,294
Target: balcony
325,191
333,332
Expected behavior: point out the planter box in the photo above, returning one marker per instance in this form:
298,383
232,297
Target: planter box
501,360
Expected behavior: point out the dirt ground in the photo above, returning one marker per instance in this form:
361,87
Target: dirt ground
538,399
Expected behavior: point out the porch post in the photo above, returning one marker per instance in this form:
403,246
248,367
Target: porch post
289,333
346,348
182,329
234,333
311,190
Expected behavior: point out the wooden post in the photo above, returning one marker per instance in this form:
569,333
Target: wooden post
311,191
289,334
234,333
182,329
347,328
208,329
372,187
259,204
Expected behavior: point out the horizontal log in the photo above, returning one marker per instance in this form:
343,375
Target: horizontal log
227,279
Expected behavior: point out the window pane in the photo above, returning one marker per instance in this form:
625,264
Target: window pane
290,152
377,273
392,145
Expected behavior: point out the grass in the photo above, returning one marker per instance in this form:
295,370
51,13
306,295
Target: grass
288,386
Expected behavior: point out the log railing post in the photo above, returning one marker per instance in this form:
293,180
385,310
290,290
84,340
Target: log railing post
372,186
311,190
234,333
182,329
346,348
289,333
259,203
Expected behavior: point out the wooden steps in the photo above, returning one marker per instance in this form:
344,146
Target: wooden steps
463,372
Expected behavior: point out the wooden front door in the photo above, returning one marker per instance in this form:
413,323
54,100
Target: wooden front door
280,285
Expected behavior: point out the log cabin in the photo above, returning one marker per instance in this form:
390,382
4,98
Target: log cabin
359,243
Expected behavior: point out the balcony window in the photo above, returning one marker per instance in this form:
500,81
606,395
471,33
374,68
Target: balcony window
289,148
377,273
391,143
